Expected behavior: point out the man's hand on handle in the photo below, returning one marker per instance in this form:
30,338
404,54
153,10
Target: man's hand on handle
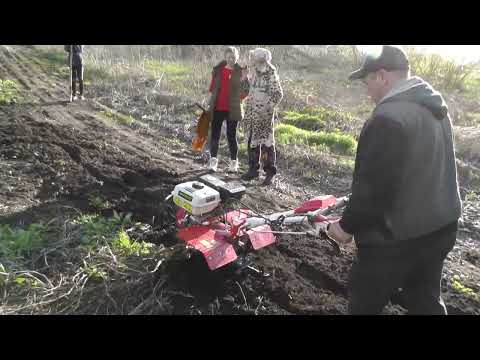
335,232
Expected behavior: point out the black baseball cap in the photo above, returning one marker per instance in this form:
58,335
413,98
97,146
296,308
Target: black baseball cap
391,58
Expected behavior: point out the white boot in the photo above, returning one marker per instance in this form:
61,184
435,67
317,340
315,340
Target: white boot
233,166
213,164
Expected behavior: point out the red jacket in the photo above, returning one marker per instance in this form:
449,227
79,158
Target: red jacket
223,98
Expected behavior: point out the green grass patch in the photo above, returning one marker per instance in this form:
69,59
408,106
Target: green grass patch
304,121
472,86
242,148
123,245
110,114
21,242
156,68
472,196
58,59
9,92
92,74
95,272
347,162
172,143
95,226
318,118
177,77
16,280
472,117
459,287
52,57
334,141
98,202
95,73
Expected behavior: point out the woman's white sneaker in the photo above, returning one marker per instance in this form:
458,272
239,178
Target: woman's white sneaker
213,164
233,166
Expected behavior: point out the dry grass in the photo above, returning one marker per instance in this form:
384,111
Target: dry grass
91,265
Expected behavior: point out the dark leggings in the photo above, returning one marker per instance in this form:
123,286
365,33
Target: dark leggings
266,154
77,74
217,122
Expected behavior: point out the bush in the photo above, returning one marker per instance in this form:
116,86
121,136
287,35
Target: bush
442,73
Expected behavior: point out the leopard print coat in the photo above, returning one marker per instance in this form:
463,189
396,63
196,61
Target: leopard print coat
265,94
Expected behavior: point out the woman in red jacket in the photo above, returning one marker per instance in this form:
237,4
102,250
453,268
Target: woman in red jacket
229,86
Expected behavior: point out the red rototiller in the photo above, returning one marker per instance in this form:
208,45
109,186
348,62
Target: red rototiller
212,220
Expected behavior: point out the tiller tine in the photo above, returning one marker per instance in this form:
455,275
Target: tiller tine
215,248
261,236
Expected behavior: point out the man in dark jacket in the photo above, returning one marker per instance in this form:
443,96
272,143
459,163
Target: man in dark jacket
77,69
405,201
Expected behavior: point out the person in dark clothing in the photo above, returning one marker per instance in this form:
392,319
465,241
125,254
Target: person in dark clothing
229,86
77,69
405,202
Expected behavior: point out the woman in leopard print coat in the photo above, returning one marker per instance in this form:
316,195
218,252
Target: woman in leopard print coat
265,94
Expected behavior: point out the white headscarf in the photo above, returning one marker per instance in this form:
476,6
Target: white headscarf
261,53
233,50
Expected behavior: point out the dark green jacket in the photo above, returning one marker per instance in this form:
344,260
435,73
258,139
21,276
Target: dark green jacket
237,88
77,59
405,178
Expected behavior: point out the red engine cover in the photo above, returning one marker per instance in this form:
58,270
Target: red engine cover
321,202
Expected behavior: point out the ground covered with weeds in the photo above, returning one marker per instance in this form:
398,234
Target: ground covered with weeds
85,229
